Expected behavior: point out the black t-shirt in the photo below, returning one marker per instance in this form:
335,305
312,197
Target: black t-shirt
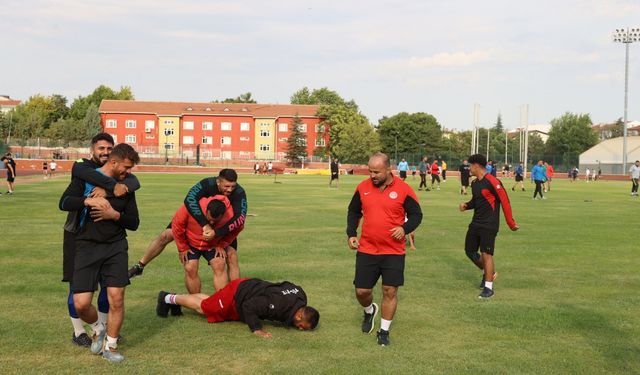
464,171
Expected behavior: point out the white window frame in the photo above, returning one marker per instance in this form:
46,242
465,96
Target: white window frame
130,124
283,139
302,128
265,133
245,139
207,140
225,126
115,138
111,124
207,125
171,146
265,147
225,140
320,142
171,132
319,128
245,126
283,127
130,138
187,125
187,139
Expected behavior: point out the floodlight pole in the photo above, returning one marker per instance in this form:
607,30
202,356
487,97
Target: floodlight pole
626,36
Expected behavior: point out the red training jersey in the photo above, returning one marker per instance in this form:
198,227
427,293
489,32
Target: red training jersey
435,169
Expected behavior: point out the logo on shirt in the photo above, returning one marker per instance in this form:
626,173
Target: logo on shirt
498,186
290,291
271,306
393,195
367,193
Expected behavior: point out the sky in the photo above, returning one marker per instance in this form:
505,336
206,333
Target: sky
439,57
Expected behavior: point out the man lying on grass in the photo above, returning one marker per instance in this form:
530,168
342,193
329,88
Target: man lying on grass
249,301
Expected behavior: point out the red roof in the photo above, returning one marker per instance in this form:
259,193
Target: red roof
10,102
225,109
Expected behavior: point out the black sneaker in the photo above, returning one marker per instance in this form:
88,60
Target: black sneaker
383,337
136,270
176,310
368,321
162,308
486,293
83,340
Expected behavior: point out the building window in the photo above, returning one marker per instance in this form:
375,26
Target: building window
112,124
168,122
225,126
225,140
245,139
319,128
168,131
265,133
320,142
130,124
265,124
207,140
187,125
207,126
264,147
245,126
149,125
283,127
302,141
187,140
149,136
130,138
302,128
168,146
115,138
283,139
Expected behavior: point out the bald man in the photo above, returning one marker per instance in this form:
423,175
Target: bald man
381,201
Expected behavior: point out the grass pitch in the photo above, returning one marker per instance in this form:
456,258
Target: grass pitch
567,298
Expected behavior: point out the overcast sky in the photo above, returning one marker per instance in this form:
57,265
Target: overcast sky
439,57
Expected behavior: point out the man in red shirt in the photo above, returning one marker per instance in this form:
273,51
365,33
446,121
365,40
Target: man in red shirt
381,201
550,173
192,245
487,195
435,174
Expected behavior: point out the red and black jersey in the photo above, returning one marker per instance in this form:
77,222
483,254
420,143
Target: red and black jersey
381,212
488,194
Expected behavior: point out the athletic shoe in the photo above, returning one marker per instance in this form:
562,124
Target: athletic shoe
176,310
438,187
383,337
162,308
112,355
97,343
513,189
136,270
486,293
368,321
544,197
82,340
495,276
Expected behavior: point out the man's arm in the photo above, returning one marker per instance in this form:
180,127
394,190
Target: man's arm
205,188
354,214
498,189
252,309
86,171
128,219
179,228
230,237
73,197
414,214
238,200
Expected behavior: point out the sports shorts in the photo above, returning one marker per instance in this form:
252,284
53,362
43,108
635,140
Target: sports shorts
403,174
370,267
221,306
435,177
10,179
464,181
104,262
480,239
335,175
519,178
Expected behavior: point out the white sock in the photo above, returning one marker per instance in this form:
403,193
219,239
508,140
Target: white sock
102,318
97,327
78,326
369,309
112,342
488,284
170,299
385,324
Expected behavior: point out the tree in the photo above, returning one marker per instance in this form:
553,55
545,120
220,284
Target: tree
91,122
498,128
242,98
414,132
618,130
66,130
322,96
80,105
571,133
297,142
352,139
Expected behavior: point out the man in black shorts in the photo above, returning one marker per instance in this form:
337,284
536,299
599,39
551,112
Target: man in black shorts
519,177
101,249
382,202
10,164
487,195
464,176
335,172
225,184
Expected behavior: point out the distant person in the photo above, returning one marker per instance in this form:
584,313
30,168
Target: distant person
465,174
443,168
635,175
599,173
45,169
587,174
248,301
256,168
489,166
10,165
423,167
488,194
335,172
403,166
549,173
538,176
574,173
435,174
52,168
269,167
519,177
413,171
380,203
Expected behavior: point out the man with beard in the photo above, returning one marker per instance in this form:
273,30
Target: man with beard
381,201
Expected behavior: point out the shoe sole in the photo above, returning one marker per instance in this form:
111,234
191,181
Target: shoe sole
373,319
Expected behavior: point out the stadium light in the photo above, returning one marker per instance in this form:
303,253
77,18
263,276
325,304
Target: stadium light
626,36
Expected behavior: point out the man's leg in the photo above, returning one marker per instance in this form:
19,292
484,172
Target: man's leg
191,278
86,311
232,262
155,248
220,273
389,305
116,315
191,301
80,336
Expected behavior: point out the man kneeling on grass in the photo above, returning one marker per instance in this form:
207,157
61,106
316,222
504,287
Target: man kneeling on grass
248,300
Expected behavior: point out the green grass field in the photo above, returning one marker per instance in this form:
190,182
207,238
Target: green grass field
567,298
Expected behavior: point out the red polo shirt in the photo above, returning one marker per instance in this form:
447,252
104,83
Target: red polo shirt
381,211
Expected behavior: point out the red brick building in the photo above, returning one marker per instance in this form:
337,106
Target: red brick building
221,130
